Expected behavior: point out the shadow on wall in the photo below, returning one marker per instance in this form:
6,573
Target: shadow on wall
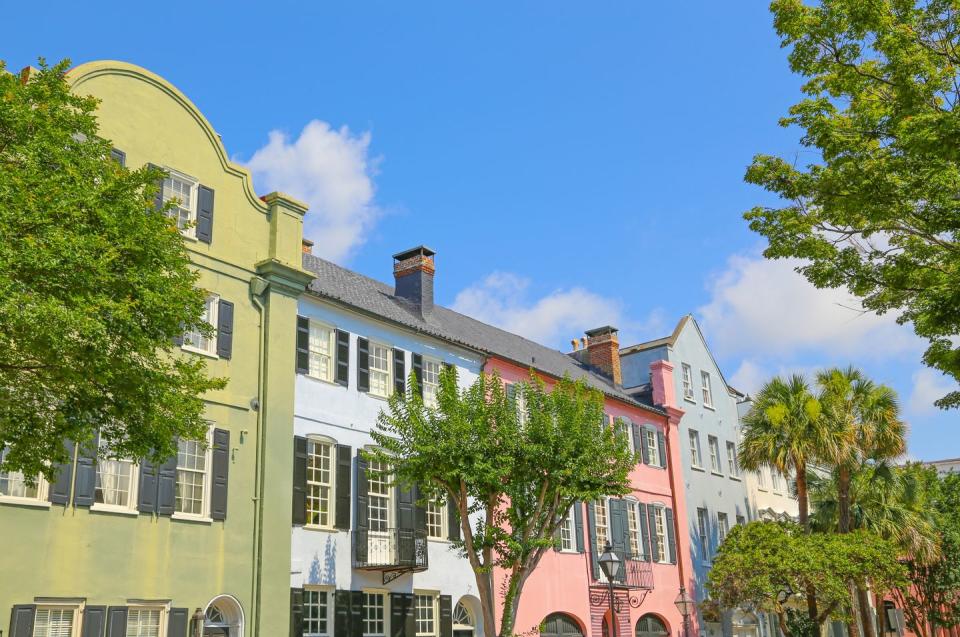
324,571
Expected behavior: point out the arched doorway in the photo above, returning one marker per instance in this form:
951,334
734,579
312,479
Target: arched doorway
560,625
744,624
651,626
223,618
464,622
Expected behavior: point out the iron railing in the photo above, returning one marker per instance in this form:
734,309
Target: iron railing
634,572
390,549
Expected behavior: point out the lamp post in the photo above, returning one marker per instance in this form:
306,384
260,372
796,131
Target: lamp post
610,564
684,604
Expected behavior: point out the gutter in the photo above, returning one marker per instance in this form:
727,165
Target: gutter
257,287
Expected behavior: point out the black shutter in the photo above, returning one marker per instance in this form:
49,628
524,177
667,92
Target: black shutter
360,501
303,345
404,498
85,485
398,611
356,613
671,536
344,461
453,521
644,448
204,214
177,622
167,485
410,615
637,440
296,612
419,511
662,446
221,470
147,493
94,621
418,372
117,621
578,524
118,156
225,329
654,548
21,620
592,531
341,620
363,364
158,198
299,480
446,616
343,358
399,371
618,522
60,490
644,532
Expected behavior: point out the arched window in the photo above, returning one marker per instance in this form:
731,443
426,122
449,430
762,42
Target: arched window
651,626
223,618
560,625
464,625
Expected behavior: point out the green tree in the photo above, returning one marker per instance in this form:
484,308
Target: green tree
760,564
94,286
878,210
512,474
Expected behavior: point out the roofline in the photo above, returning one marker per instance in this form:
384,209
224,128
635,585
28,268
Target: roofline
663,340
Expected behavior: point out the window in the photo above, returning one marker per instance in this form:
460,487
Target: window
431,381
54,621
319,483
193,340
653,449
633,529
600,517
723,526
714,445
660,521
143,622
116,481
321,351
741,520
623,428
566,532
426,614
694,448
761,479
316,612
184,190
14,485
705,385
733,465
192,461
687,381
373,614
380,376
435,515
378,497
775,479
462,618
521,398
702,533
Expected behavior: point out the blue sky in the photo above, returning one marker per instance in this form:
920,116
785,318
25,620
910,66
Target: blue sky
573,164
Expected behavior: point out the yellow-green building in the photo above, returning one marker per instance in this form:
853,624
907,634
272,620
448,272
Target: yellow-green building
117,549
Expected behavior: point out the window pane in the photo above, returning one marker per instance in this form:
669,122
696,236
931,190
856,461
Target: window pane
315,613
379,370
321,351
182,190
319,485
114,481
191,477
600,515
435,519
143,622
53,622
426,624
196,340
373,613
13,484
378,497
431,381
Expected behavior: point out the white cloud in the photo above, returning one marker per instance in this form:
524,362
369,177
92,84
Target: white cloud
333,172
501,299
764,308
928,386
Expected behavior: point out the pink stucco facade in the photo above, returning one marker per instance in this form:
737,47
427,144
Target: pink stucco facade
563,582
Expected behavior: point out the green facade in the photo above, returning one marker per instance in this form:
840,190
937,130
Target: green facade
74,553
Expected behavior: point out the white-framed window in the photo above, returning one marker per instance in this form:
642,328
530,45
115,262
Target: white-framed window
624,427
317,612
321,348
601,526
374,614
381,376
193,465
775,480
567,538
714,446
320,477
723,526
653,448
733,465
13,485
144,621
687,374
116,486
193,340
436,512
378,497
521,398
633,529
762,479
707,391
741,520
694,438
425,607
183,189
56,621
660,524
702,533
431,381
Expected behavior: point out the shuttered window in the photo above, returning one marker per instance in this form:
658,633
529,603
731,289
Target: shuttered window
653,449
660,524
194,341
183,190
54,621
321,348
566,532
601,528
14,485
431,381
192,463
378,497
426,614
319,483
633,529
380,376
373,614
143,622
116,481
436,513
317,620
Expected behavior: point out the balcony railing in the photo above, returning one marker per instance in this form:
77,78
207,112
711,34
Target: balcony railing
634,573
393,549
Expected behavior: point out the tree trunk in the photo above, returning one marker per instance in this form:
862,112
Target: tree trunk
782,622
803,505
866,617
843,499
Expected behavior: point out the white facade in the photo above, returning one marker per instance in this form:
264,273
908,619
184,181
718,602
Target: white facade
771,496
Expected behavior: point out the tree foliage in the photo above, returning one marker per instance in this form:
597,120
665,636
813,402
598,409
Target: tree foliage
878,212
94,285
512,474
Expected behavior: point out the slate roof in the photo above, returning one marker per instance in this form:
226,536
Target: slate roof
368,295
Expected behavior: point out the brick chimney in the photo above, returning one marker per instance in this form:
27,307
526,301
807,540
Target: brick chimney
603,352
413,275
306,245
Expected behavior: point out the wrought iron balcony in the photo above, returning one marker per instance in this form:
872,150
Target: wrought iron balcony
634,573
395,550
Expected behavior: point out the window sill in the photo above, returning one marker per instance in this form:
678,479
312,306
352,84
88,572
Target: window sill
696,468
195,350
185,517
322,380
761,489
317,527
733,477
716,473
25,502
692,401
710,407
114,510
438,539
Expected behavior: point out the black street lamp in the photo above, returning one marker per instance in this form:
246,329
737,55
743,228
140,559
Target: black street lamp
610,564
684,604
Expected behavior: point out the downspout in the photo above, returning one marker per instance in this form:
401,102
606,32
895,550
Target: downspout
673,500
257,287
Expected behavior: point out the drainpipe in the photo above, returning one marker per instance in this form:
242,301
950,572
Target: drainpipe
257,287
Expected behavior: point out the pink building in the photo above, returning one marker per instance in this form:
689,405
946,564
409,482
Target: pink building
567,595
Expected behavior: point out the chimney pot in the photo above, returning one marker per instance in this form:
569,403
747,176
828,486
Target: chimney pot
413,272
573,343
603,352
307,246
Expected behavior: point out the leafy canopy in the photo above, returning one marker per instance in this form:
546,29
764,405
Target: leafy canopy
879,212
94,285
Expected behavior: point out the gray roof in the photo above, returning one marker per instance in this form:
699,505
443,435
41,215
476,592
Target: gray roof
374,297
